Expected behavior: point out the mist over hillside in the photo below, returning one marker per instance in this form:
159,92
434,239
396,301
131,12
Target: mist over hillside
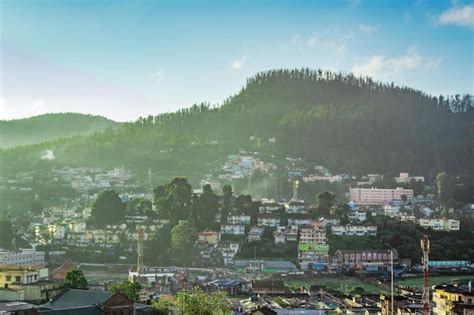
349,124
49,127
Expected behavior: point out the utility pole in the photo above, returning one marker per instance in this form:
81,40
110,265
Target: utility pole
425,249
391,281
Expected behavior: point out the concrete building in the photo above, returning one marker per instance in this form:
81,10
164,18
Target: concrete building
377,196
450,300
255,233
238,219
209,237
268,220
233,229
440,224
314,235
368,260
405,178
22,257
354,230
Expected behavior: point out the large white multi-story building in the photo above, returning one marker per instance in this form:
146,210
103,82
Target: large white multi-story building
22,257
377,196
313,235
440,224
356,230
269,221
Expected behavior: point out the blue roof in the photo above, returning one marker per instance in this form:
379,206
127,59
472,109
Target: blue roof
225,282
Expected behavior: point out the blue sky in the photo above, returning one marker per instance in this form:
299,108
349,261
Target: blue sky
123,59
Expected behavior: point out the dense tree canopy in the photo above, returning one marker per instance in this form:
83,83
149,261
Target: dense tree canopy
75,279
349,124
107,209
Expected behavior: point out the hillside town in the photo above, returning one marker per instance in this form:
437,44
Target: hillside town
268,261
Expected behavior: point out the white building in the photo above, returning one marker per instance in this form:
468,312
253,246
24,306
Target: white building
280,235
358,216
313,235
391,211
440,224
255,233
295,206
405,178
376,196
240,219
23,257
269,221
354,230
269,206
233,229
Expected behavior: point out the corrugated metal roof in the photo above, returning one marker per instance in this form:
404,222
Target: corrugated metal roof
74,298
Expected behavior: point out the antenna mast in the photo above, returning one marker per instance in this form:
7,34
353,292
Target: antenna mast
425,249
141,237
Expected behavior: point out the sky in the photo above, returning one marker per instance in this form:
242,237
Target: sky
130,58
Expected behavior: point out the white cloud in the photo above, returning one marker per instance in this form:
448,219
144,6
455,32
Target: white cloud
382,67
157,76
367,28
238,64
462,16
311,42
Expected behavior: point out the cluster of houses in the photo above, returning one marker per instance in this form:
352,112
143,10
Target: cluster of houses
80,179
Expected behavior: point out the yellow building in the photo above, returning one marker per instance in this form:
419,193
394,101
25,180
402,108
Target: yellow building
449,300
14,275
209,237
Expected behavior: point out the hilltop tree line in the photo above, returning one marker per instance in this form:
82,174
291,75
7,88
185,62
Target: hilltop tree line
347,123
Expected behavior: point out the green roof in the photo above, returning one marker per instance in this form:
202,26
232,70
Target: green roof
74,298
304,247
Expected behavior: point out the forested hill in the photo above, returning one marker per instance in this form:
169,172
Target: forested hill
349,124
49,127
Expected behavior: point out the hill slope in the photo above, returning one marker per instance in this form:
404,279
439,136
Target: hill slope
49,127
349,124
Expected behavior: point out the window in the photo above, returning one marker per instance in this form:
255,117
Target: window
17,278
9,278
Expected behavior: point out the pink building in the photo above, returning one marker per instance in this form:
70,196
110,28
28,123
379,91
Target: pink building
376,196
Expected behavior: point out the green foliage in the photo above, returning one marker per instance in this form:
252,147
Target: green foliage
161,307
49,127
158,248
325,200
6,234
75,279
405,237
183,238
173,201
107,209
198,302
317,115
140,205
130,289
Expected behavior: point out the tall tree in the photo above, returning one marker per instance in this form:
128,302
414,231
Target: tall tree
183,238
173,200
75,279
325,200
207,209
129,289
6,234
108,208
